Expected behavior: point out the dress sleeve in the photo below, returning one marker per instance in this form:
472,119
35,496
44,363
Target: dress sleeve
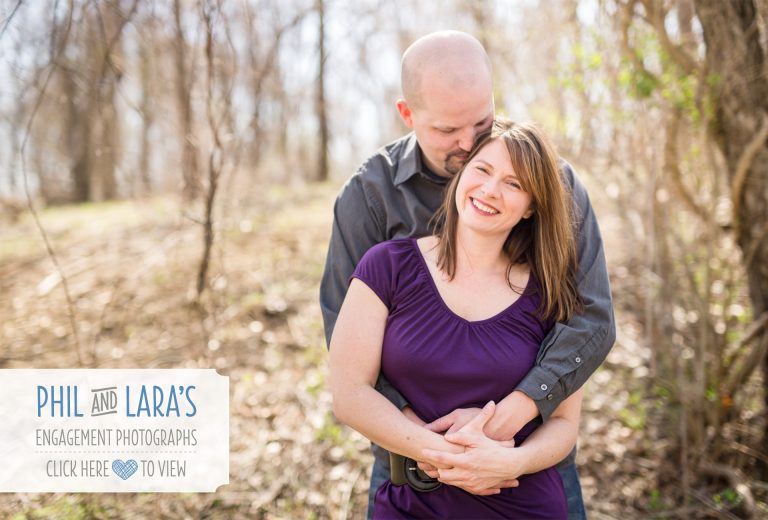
375,271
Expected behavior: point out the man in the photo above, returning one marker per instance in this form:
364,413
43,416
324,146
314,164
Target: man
447,102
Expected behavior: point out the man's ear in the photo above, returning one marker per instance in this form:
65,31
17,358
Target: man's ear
405,113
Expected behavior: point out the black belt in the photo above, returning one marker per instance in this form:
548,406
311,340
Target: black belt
403,470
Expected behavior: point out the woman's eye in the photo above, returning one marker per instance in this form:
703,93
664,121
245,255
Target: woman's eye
513,184
482,170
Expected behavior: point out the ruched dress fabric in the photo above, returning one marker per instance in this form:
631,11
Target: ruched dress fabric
440,361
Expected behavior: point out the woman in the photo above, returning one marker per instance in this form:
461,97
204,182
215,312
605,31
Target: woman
455,320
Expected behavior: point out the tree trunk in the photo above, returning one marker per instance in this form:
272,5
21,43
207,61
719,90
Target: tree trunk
78,139
112,63
148,119
106,143
189,163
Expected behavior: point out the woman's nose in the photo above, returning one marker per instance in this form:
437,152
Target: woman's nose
491,187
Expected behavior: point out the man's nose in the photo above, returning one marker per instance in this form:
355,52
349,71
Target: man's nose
467,139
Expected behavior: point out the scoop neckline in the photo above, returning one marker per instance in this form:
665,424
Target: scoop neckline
436,291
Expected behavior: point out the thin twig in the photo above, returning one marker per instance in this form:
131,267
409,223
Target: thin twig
10,17
672,166
712,508
657,14
215,159
751,359
25,176
735,480
743,165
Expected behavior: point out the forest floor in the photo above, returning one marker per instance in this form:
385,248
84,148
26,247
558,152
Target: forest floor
131,269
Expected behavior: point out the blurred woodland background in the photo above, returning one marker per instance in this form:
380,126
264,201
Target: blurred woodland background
167,174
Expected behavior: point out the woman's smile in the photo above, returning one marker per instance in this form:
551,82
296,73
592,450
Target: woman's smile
483,208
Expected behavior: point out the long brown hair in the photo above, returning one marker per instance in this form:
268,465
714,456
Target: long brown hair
545,240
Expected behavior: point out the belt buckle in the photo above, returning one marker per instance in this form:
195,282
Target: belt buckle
404,470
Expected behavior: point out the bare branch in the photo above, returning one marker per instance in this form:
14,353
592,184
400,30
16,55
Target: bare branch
215,159
735,479
8,19
743,166
656,14
108,61
55,54
672,167
741,370
626,15
272,54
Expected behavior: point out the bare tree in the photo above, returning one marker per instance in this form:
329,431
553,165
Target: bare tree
704,96
265,80
147,108
90,82
215,157
190,169
735,54
321,107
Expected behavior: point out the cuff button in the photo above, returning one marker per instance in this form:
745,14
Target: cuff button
578,360
544,387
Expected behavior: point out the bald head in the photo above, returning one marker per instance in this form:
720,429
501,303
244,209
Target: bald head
445,60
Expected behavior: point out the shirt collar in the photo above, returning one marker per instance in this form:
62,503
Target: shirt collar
411,163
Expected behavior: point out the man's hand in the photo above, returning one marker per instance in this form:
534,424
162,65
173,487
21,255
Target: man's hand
483,468
512,413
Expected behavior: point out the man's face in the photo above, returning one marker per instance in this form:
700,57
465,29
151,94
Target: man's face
446,125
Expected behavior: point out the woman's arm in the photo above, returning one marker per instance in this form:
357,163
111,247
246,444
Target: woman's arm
486,463
355,360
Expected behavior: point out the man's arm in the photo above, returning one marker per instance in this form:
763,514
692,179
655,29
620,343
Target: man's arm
572,351
358,222
355,230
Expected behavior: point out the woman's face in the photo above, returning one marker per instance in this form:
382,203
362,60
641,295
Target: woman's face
489,196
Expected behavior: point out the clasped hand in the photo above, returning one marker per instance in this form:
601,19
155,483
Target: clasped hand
485,466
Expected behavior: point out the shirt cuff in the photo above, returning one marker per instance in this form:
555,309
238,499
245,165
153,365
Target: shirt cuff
544,388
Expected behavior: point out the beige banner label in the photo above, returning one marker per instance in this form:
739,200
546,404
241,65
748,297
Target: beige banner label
113,430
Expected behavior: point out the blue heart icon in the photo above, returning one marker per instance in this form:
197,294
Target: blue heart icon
124,469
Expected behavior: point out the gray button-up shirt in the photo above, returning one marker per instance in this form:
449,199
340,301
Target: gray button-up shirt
393,196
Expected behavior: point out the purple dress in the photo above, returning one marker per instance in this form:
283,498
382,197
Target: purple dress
440,361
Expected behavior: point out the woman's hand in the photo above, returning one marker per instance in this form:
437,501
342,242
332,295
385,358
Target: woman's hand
454,421
485,466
